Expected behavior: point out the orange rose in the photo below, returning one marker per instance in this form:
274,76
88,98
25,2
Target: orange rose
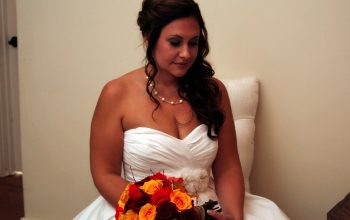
182,200
148,212
120,216
124,197
150,187
131,215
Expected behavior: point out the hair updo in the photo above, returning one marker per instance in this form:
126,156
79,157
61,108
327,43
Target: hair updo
197,86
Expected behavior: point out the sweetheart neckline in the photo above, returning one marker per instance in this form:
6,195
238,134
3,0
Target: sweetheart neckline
164,133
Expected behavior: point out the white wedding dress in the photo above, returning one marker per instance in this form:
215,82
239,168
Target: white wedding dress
147,151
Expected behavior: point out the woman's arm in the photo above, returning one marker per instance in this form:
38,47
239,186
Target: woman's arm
106,143
227,169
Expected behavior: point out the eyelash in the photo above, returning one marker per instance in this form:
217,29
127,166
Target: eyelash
193,44
177,43
174,43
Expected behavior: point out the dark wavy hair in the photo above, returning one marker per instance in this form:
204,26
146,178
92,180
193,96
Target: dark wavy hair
198,86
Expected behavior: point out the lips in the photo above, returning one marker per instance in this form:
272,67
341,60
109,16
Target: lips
182,64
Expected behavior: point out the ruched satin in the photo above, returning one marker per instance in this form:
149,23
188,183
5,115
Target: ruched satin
147,151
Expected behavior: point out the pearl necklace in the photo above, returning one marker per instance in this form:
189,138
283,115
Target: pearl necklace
162,98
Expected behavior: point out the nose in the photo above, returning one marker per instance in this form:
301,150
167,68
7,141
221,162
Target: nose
185,52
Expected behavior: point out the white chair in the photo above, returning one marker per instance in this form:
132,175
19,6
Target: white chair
244,97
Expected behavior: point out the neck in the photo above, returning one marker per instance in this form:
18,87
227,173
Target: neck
165,81
165,88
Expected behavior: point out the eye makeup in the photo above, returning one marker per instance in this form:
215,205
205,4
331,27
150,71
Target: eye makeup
178,41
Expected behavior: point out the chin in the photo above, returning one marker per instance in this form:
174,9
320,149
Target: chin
175,72
180,73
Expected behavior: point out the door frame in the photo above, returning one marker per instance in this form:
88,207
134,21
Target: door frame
10,144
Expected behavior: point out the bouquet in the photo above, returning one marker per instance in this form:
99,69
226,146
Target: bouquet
156,197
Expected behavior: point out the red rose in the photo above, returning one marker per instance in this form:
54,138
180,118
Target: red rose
134,192
166,210
177,183
118,210
136,204
175,180
160,196
158,176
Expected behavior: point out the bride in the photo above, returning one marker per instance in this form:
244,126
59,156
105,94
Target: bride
171,116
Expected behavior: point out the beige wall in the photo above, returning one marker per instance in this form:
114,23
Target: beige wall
299,50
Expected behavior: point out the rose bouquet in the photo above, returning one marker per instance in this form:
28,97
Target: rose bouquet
161,197
156,197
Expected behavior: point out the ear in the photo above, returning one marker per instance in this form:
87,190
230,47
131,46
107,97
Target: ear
145,39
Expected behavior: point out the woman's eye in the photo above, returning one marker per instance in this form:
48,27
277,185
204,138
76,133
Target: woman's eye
193,44
174,43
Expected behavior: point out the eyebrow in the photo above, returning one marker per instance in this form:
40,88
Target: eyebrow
193,38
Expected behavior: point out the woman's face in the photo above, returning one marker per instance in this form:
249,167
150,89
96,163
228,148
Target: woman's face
177,47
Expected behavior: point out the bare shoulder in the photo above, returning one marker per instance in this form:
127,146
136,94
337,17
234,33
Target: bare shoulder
221,85
113,102
117,88
113,88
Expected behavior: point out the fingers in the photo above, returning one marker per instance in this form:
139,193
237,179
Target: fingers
218,216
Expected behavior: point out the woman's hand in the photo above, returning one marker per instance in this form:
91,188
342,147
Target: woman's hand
219,216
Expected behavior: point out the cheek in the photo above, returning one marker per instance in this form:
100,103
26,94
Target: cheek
162,52
194,53
165,52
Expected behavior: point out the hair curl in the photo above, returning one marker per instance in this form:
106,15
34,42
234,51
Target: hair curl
198,86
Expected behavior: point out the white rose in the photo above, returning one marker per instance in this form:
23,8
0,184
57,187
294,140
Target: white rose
195,180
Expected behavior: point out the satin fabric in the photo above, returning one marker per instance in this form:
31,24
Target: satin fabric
147,151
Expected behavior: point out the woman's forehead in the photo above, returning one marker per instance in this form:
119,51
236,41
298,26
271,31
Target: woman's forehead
184,27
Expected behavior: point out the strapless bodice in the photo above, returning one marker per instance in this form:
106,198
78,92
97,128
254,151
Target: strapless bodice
147,151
